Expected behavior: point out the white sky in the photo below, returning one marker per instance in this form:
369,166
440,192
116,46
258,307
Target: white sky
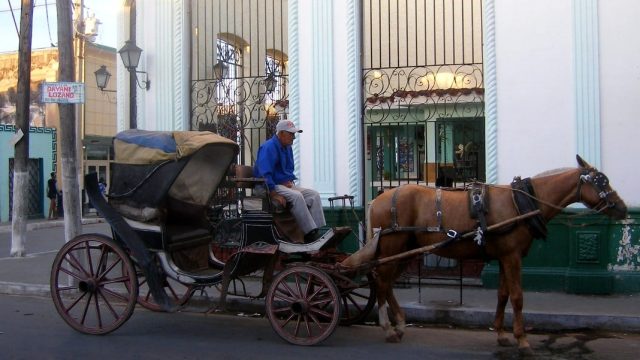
45,31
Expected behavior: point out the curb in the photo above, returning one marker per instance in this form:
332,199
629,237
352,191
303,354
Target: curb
50,224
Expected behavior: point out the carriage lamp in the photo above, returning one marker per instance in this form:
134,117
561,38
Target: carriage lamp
220,70
102,78
130,55
270,83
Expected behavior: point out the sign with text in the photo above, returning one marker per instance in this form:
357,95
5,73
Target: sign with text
62,92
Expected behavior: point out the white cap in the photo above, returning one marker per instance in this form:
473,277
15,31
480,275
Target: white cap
287,125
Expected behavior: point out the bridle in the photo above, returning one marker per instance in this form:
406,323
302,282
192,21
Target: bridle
600,183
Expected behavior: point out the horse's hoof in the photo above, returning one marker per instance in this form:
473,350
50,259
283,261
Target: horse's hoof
399,333
504,342
525,351
393,338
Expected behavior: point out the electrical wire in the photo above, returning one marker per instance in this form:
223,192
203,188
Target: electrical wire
14,18
46,9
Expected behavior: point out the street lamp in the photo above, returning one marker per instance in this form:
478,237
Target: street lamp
102,78
130,55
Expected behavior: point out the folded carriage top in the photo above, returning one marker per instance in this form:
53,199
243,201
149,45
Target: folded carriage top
157,173
148,147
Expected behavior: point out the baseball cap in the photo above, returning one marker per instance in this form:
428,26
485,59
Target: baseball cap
287,125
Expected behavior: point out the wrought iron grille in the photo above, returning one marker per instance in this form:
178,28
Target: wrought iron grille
423,91
34,188
239,76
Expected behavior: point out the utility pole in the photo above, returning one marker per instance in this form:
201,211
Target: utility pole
21,152
68,150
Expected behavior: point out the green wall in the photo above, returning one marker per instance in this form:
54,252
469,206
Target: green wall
583,254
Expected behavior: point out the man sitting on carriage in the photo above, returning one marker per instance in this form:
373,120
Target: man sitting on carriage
276,165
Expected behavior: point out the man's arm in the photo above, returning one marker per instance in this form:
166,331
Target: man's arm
265,164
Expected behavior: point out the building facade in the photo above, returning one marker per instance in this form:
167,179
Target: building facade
391,92
96,120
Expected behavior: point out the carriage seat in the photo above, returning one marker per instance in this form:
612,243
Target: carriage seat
255,188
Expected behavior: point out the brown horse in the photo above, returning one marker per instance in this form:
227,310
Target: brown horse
414,216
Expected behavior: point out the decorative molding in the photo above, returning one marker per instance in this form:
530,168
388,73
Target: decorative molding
323,110
294,82
588,247
39,130
490,93
354,90
586,79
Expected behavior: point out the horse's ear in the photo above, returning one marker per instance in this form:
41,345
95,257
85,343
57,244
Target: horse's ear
582,163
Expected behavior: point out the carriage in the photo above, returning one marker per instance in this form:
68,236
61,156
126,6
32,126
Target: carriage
182,222
185,218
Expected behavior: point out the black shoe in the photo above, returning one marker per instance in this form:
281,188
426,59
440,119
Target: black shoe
312,236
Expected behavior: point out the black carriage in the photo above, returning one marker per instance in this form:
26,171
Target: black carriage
185,218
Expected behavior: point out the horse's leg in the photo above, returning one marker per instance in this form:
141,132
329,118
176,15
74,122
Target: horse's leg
512,274
503,298
384,282
398,313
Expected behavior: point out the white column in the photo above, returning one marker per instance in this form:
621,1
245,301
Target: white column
490,93
587,81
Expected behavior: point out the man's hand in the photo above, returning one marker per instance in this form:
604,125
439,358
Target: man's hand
279,198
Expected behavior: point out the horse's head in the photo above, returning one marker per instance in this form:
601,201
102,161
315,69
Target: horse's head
599,195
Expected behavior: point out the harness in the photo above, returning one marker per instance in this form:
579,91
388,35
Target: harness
478,208
478,204
600,182
523,198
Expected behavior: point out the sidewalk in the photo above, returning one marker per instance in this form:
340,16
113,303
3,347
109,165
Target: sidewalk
432,303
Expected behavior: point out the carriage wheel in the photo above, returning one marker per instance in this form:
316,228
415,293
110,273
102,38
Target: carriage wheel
358,302
302,305
179,293
93,284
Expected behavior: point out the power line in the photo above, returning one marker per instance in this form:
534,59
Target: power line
46,9
14,19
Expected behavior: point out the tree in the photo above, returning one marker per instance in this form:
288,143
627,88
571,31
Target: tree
21,151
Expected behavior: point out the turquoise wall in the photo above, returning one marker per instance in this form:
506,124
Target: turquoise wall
42,144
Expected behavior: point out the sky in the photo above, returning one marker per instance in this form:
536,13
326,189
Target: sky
45,32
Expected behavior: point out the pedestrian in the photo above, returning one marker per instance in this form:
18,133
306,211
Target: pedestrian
52,194
102,186
275,164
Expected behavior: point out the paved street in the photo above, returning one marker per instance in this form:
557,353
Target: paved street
31,329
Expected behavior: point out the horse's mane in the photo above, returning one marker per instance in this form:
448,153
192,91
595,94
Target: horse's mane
552,172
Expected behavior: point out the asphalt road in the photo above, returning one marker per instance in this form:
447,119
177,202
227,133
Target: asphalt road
32,329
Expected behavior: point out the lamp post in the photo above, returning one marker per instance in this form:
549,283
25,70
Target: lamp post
130,55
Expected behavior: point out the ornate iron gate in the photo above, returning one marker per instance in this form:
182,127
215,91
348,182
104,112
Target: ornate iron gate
239,69
423,106
423,92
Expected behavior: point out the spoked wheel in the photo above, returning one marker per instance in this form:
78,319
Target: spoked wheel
303,305
93,284
179,293
358,302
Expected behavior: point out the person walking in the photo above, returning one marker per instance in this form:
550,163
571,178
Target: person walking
52,194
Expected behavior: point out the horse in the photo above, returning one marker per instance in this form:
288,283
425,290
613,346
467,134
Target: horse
414,216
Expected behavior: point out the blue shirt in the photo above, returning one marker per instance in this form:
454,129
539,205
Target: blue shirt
274,163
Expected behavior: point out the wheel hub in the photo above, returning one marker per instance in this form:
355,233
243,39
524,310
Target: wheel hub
89,285
300,307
